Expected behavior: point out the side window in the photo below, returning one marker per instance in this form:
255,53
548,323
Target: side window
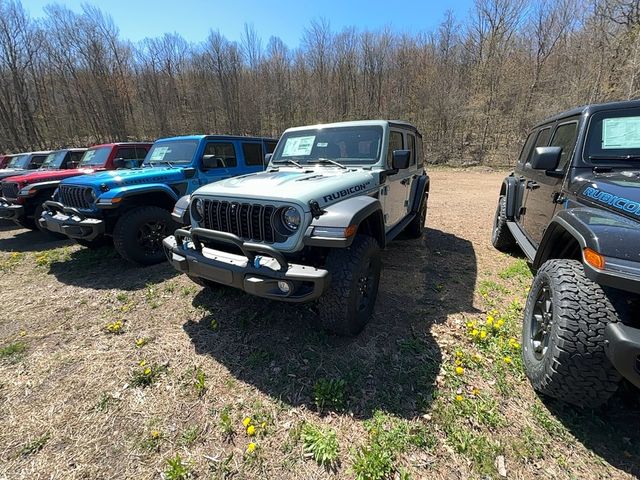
271,146
126,153
141,153
395,143
252,154
565,137
411,140
542,140
36,162
74,159
223,153
526,150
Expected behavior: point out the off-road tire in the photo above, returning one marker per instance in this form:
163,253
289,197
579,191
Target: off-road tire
416,226
574,367
131,227
343,310
27,223
501,236
93,244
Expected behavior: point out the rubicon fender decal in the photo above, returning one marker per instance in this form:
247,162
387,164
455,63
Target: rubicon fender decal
607,198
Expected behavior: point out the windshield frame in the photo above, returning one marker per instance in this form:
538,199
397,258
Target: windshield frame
148,162
594,122
58,158
97,150
313,158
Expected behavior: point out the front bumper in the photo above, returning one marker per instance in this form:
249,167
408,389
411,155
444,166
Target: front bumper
617,273
70,222
622,346
10,211
257,271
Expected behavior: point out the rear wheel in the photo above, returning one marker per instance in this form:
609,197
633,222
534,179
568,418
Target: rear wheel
138,234
355,274
501,236
563,335
416,226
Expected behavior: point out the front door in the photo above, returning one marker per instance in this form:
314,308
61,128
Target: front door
397,186
225,162
543,188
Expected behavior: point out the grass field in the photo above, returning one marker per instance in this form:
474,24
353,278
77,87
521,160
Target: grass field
111,371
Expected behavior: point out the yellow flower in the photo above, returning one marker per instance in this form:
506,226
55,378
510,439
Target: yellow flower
251,430
474,332
489,320
251,447
143,363
23,333
483,334
147,371
475,391
140,342
507,359
458,362
246,422
469,324
155,434
459,370
477,357
499,323
459,398
458,354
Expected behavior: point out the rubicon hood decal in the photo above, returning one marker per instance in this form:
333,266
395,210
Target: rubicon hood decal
619,203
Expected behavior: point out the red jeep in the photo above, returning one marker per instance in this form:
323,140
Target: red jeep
23,195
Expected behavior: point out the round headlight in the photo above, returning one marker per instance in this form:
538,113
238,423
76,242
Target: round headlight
90,195
198,204
291,218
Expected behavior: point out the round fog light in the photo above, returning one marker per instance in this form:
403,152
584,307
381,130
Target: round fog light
284,286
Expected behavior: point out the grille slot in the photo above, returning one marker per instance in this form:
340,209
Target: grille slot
10,189
75,197
246,220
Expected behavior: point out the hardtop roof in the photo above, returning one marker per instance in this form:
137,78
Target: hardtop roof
590,109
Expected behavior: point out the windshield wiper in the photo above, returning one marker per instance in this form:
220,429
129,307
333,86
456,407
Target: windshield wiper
292,162
328,160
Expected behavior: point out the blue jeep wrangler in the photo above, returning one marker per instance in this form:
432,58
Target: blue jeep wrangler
133,205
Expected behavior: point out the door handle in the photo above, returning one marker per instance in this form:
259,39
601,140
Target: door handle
532,185
404,181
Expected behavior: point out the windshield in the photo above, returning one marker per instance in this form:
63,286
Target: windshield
347,145
613,136
171,152
54,160
19,161
95,157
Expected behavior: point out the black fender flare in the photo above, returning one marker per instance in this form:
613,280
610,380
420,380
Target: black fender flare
420,193
352,211
509,189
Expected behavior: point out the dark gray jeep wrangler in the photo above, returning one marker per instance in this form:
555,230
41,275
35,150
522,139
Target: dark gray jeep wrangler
572,205
312,225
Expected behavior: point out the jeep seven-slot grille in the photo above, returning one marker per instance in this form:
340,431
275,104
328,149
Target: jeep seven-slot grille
76,197
10,190
246,220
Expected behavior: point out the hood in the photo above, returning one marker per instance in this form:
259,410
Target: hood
40,176
126,177
11,172
617,192
326,185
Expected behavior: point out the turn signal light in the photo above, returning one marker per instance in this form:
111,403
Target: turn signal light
350,231
593,258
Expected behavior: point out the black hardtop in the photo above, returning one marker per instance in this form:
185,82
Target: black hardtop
590,109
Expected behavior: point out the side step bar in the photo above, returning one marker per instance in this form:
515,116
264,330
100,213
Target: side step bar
522,241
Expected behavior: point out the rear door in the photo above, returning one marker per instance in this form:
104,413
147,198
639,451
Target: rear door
397,186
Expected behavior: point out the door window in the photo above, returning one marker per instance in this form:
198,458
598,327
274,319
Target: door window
526,150
224,154
252,154
565,137
74,159
141,153
127,153
271,146
411,140
395,143
37,161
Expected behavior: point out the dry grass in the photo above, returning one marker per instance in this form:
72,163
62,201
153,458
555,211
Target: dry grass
169,391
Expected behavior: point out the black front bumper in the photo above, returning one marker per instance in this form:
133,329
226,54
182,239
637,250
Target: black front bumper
622,346
257,271
10,211
70,222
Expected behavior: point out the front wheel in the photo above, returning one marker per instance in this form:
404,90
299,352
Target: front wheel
138,234
563,335
355,275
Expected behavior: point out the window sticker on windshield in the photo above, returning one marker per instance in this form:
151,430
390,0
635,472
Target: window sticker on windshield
621,132
159,153
298,146
89,155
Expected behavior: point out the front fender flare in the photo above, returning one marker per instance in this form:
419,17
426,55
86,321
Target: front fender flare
105,200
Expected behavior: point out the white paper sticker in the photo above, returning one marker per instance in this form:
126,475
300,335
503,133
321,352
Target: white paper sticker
623,132
322,144
298,146
89,155
159,153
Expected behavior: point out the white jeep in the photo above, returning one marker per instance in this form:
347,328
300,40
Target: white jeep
312,225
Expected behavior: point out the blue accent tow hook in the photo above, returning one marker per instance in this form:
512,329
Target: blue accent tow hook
256,261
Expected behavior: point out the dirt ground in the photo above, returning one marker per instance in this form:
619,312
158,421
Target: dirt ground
110,371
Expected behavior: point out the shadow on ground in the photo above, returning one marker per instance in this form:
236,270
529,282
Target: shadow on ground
611,432
29,241
390,366
103,268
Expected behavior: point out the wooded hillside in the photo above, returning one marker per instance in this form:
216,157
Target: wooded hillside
473,86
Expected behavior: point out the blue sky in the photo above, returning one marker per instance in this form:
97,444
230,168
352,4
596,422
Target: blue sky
193,19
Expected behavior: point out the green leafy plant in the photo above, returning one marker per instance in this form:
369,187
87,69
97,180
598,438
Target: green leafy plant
329,394
200,382
321,444
177,469
13,350
372,462
34,446
226,423
190,435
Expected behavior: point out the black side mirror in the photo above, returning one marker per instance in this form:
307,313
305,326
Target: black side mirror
211,161
400,159
545,158
267,158
126,163
119,163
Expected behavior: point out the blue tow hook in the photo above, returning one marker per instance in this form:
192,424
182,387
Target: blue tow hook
256,261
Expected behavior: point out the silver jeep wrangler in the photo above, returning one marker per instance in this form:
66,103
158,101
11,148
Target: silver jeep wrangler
312,225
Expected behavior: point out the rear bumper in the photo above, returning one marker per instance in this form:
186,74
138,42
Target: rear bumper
10,211
622,346
257,271
70,222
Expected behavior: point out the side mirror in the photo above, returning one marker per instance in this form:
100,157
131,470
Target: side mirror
119,163
400,159
211,161
545,158
267,158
